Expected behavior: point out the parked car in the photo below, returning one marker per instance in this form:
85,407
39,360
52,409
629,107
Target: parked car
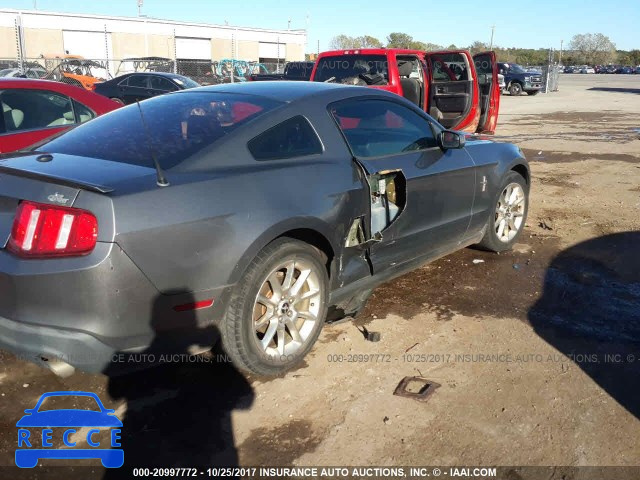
458,89
29,72
519,80
587,69
626,70
135,87
33,110
79,72
194,214
637,69
296,71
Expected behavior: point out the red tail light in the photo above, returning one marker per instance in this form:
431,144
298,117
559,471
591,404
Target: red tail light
41,230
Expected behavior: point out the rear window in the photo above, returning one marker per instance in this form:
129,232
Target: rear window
177,127
353,70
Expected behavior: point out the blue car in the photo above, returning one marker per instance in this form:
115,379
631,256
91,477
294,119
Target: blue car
69,420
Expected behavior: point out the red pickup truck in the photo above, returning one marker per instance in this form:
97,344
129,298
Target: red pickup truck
459,90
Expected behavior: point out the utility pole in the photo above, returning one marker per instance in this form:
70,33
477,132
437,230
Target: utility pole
140,3
560,60
493,27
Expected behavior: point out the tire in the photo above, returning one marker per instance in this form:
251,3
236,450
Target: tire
517,215
532,93
117,100
272,348
515,89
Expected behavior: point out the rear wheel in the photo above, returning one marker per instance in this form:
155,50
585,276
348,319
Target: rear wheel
117,100
515,89
278,308
509,215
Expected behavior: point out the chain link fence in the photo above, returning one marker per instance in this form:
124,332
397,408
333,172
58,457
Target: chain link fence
551,78
84,72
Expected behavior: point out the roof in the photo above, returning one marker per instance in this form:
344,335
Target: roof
369,51
283,90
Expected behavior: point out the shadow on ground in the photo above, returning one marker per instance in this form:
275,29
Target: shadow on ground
178,413
616,90
590,312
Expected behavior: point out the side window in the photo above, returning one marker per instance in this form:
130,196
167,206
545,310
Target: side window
138,81
124,82
292,138
161,83
26,109
375,128
449,67
83,113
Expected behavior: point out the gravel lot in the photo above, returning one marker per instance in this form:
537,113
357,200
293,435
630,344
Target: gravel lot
537,351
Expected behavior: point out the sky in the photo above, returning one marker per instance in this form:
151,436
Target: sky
524,24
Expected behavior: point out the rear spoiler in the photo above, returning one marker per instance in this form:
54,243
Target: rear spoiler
60,181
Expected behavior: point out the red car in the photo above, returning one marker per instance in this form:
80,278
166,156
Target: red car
461,91
33,110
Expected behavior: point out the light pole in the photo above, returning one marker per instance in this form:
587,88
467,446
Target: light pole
560,59
493,27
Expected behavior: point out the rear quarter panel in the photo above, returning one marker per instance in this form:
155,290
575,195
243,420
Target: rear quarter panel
202,231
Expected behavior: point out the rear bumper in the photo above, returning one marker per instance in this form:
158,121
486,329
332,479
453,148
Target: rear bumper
86,311
45,345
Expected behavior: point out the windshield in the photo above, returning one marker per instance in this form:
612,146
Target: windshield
179,125
185,82
353,70
517,68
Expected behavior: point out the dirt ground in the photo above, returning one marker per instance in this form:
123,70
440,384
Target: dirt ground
537,351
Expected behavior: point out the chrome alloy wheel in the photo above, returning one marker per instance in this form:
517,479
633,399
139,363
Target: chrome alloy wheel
510,212
286,308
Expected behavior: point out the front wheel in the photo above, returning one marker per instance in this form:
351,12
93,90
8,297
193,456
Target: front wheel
509,216
515,89
278,308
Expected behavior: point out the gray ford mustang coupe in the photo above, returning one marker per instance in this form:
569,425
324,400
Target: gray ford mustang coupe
256,209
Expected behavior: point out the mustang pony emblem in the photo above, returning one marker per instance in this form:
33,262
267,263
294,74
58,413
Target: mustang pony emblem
58,198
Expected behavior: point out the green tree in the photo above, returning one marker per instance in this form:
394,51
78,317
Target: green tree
343,42
593,48
477,47
400,40
367,41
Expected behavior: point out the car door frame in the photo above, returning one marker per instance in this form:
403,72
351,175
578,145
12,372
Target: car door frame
134,97
489,119
469,121
414,235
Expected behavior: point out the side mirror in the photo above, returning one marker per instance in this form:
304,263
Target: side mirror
449,139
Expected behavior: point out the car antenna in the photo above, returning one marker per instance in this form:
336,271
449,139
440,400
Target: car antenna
161,180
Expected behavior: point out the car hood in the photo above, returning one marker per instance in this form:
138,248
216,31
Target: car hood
87,172
69,418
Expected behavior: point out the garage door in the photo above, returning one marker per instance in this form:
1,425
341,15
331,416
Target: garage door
193,48
88,44
272,50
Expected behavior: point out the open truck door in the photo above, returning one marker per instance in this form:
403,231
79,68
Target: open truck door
489,87
453,94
